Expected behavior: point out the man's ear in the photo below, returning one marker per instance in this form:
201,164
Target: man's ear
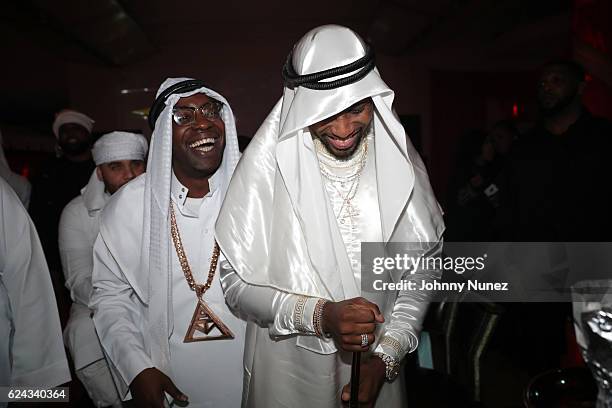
99,173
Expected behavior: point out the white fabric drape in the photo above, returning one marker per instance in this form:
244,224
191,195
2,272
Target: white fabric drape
78,228
20,184
31,348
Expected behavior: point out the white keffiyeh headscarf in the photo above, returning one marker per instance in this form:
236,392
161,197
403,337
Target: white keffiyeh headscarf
114,146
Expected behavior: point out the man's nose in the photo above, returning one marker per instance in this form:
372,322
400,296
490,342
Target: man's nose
128,174
342,127
201,121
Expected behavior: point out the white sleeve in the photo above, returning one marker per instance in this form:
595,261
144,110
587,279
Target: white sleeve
268,307
401,334
37,352
118,316
76,253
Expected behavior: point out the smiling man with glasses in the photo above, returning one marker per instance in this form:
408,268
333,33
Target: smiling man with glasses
158,304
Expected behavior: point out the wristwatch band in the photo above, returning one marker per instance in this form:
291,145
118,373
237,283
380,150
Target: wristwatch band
392,365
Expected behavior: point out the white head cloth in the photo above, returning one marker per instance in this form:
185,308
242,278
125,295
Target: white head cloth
155,256
116,146
275,226
72,116
111,147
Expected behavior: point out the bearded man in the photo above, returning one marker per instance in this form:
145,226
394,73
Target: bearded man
61,179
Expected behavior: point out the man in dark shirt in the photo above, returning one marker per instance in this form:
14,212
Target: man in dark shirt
563,189
60,180
561,193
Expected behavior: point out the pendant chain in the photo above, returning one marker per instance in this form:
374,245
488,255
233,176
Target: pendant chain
329,163
199,289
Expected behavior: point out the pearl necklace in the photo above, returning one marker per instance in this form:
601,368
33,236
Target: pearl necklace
328,163
330,166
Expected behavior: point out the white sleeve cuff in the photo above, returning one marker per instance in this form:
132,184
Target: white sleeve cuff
294,315
391,346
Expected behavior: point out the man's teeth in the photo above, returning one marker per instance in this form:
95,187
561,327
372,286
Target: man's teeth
208,140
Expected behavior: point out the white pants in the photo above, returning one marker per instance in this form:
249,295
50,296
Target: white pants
98,382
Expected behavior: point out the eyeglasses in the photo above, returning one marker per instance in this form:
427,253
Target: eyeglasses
186,115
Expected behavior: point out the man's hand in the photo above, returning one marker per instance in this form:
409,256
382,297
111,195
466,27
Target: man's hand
148,389
347,320
371,379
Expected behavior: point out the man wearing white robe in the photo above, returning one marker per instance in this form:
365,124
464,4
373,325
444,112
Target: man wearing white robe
31,349
119,157
330,168
143,304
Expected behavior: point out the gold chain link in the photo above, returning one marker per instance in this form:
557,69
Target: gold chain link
199,289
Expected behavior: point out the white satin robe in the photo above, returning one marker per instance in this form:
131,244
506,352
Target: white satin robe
280,372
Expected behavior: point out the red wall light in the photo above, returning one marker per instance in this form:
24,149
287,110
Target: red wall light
515,110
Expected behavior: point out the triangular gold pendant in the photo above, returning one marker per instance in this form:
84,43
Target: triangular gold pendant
203,322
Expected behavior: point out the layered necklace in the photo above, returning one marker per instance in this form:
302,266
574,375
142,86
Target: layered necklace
204,320
343,173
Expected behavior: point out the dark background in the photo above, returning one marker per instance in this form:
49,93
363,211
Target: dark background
455,65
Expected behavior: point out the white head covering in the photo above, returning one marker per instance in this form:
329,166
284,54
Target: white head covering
71,116
110,147
116,146
275,226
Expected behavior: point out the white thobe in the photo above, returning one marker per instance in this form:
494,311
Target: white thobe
31,348
78,228
290,374
208,372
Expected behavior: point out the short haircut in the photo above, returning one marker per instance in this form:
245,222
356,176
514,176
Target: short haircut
575,69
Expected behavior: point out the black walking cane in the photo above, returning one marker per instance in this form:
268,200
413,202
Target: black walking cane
355,369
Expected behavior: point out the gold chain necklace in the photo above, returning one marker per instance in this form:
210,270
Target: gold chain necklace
204,320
